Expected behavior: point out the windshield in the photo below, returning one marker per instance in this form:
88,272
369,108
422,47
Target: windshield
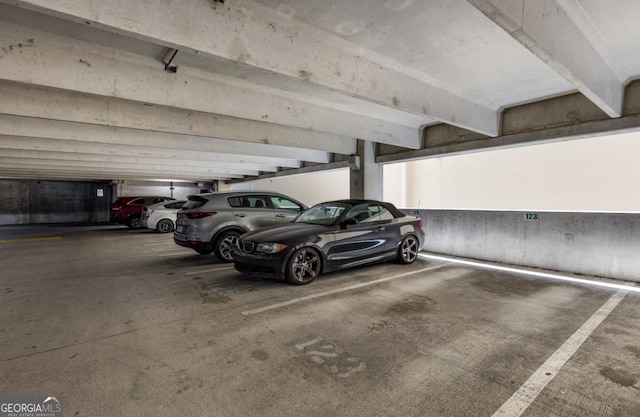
325,214
196,201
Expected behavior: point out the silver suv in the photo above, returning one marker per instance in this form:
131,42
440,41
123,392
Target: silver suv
212,222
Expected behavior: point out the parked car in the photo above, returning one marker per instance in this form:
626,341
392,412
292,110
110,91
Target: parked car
161,216
212,222
328,237
127,210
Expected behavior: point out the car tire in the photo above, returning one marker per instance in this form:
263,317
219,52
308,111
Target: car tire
164,226
303,266
133,222
224,245
408,250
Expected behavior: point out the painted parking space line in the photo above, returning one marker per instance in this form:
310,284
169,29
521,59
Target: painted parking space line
224,268
336,291
32,239
523,271
529,391
175,254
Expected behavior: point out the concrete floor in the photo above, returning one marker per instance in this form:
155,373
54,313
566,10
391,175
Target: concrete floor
117,322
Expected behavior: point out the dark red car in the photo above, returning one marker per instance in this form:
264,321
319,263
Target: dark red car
127,210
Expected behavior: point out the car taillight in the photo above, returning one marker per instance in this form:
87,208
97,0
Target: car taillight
421,224
200,214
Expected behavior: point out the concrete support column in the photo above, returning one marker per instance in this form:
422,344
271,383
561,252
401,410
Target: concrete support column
118,189
366,182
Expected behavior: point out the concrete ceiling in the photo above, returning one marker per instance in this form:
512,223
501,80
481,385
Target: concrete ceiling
200,90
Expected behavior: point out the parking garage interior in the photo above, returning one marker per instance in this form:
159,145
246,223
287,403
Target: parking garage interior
509,128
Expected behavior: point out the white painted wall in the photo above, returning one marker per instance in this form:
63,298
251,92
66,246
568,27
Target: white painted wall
597,174
307,188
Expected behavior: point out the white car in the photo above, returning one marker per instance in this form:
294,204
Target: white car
161,216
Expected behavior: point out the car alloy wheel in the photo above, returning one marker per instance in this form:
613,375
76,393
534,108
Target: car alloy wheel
408,251
134,222
164,226
225,246
304,266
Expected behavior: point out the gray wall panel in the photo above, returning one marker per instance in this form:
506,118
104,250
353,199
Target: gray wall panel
14,202
596,244
25,202
60,202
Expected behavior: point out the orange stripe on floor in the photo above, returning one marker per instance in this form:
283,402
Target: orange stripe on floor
32,239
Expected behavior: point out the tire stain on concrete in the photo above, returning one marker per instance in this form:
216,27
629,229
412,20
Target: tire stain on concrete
620,377
616,331
503,285
416,305
259,354
214,298
633,349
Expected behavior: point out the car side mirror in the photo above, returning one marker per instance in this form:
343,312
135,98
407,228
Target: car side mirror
348,222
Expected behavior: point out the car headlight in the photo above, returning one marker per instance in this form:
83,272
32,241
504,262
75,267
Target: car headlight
270,247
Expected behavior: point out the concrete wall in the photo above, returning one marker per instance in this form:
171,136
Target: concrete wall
15,202
25,202
596,244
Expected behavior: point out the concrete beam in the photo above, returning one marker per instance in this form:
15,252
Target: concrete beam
45,157
549,30
560,118
121,172
352,162
46,59
89,166
80,150
585,130
46,174
41,128
261,37
51,103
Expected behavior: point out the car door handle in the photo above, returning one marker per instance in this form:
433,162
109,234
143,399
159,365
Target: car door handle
280,215
380,228
240,215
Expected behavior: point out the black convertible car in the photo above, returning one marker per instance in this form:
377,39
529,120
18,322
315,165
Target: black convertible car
328,237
